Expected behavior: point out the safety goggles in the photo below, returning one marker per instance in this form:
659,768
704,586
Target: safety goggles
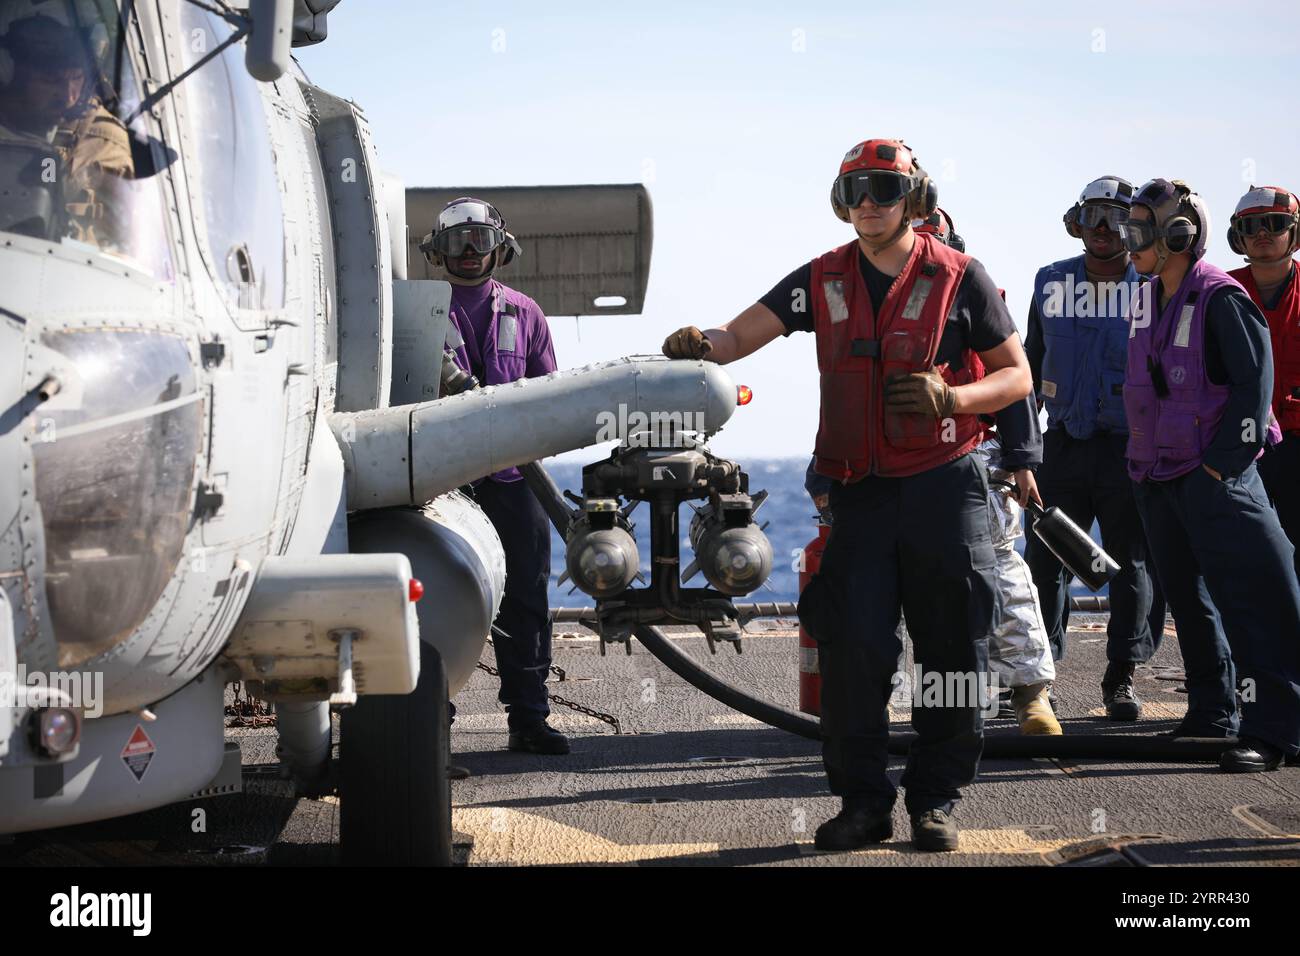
1138,234
1273,223
882,187
1092,215
456,241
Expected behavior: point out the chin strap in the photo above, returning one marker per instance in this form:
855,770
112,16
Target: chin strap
880,245
1110,258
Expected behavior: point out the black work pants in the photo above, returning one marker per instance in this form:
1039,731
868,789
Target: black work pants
1088,480
1280,470
920,544
1228,573
524,655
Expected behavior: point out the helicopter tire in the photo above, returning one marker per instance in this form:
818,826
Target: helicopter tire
394,792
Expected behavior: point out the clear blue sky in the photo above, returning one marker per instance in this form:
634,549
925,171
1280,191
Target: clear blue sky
736,117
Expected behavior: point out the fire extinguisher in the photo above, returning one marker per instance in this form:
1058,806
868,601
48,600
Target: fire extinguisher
810,677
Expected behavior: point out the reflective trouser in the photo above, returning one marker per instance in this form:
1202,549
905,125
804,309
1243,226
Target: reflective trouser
1229,577
1280,470
920,543
1088,479
1019,652
524,657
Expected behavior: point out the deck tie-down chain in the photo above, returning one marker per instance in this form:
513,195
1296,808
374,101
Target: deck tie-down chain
248,711
564,702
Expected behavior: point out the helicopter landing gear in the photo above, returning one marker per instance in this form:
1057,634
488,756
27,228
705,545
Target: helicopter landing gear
394,792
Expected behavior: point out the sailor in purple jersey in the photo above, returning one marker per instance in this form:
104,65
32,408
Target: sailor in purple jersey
500,336
1197,390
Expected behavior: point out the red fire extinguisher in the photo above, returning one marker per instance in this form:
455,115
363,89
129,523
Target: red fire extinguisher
810,677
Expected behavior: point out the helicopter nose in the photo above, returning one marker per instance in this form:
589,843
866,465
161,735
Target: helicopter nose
109,459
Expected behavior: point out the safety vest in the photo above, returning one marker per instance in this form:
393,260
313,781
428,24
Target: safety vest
1284,330
857,351
1168,435
1085,346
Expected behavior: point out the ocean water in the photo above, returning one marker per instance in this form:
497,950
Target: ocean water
788,512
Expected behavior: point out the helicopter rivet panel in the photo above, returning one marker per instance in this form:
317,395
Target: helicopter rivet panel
362,253
24,363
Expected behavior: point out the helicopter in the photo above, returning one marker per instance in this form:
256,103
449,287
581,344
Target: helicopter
227,449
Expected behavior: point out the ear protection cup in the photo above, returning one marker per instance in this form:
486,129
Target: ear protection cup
1071,220
1180,233
509,250
1234,242
925,196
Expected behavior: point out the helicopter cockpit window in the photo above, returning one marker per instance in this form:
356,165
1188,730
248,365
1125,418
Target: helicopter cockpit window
114,479
70,169
241,194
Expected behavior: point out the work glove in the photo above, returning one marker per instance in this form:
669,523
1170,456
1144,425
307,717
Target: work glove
920,393
687,343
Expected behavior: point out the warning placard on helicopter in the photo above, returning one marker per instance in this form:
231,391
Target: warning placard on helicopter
138,753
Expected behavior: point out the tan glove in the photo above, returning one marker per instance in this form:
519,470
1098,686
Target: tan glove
687,343
920,393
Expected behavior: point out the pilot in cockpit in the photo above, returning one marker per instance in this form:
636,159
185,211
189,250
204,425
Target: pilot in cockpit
51,97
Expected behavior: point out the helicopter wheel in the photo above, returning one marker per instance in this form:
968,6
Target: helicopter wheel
394,793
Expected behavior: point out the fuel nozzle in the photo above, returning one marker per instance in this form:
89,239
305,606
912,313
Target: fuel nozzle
1073,546
455,379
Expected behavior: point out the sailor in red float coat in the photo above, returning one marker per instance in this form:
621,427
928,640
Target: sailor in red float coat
911,529
1265,228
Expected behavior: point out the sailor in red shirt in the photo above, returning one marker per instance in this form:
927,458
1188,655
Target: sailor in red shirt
1265,228
913,344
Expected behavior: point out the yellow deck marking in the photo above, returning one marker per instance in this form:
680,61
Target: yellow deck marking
518,838
1006,841
526,839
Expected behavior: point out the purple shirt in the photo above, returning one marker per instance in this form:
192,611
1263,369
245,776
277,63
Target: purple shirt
501,336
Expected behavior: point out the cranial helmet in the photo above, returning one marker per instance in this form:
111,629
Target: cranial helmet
885,171
1179,221
469,223
1108,190
1264,203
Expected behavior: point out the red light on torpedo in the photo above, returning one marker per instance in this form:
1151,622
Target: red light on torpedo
416,590
744,395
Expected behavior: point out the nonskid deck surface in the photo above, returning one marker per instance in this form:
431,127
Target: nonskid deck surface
689,781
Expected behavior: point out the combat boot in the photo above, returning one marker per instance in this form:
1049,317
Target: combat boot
1252,756
934,831
1117,692
1034,712
854,829
542,739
